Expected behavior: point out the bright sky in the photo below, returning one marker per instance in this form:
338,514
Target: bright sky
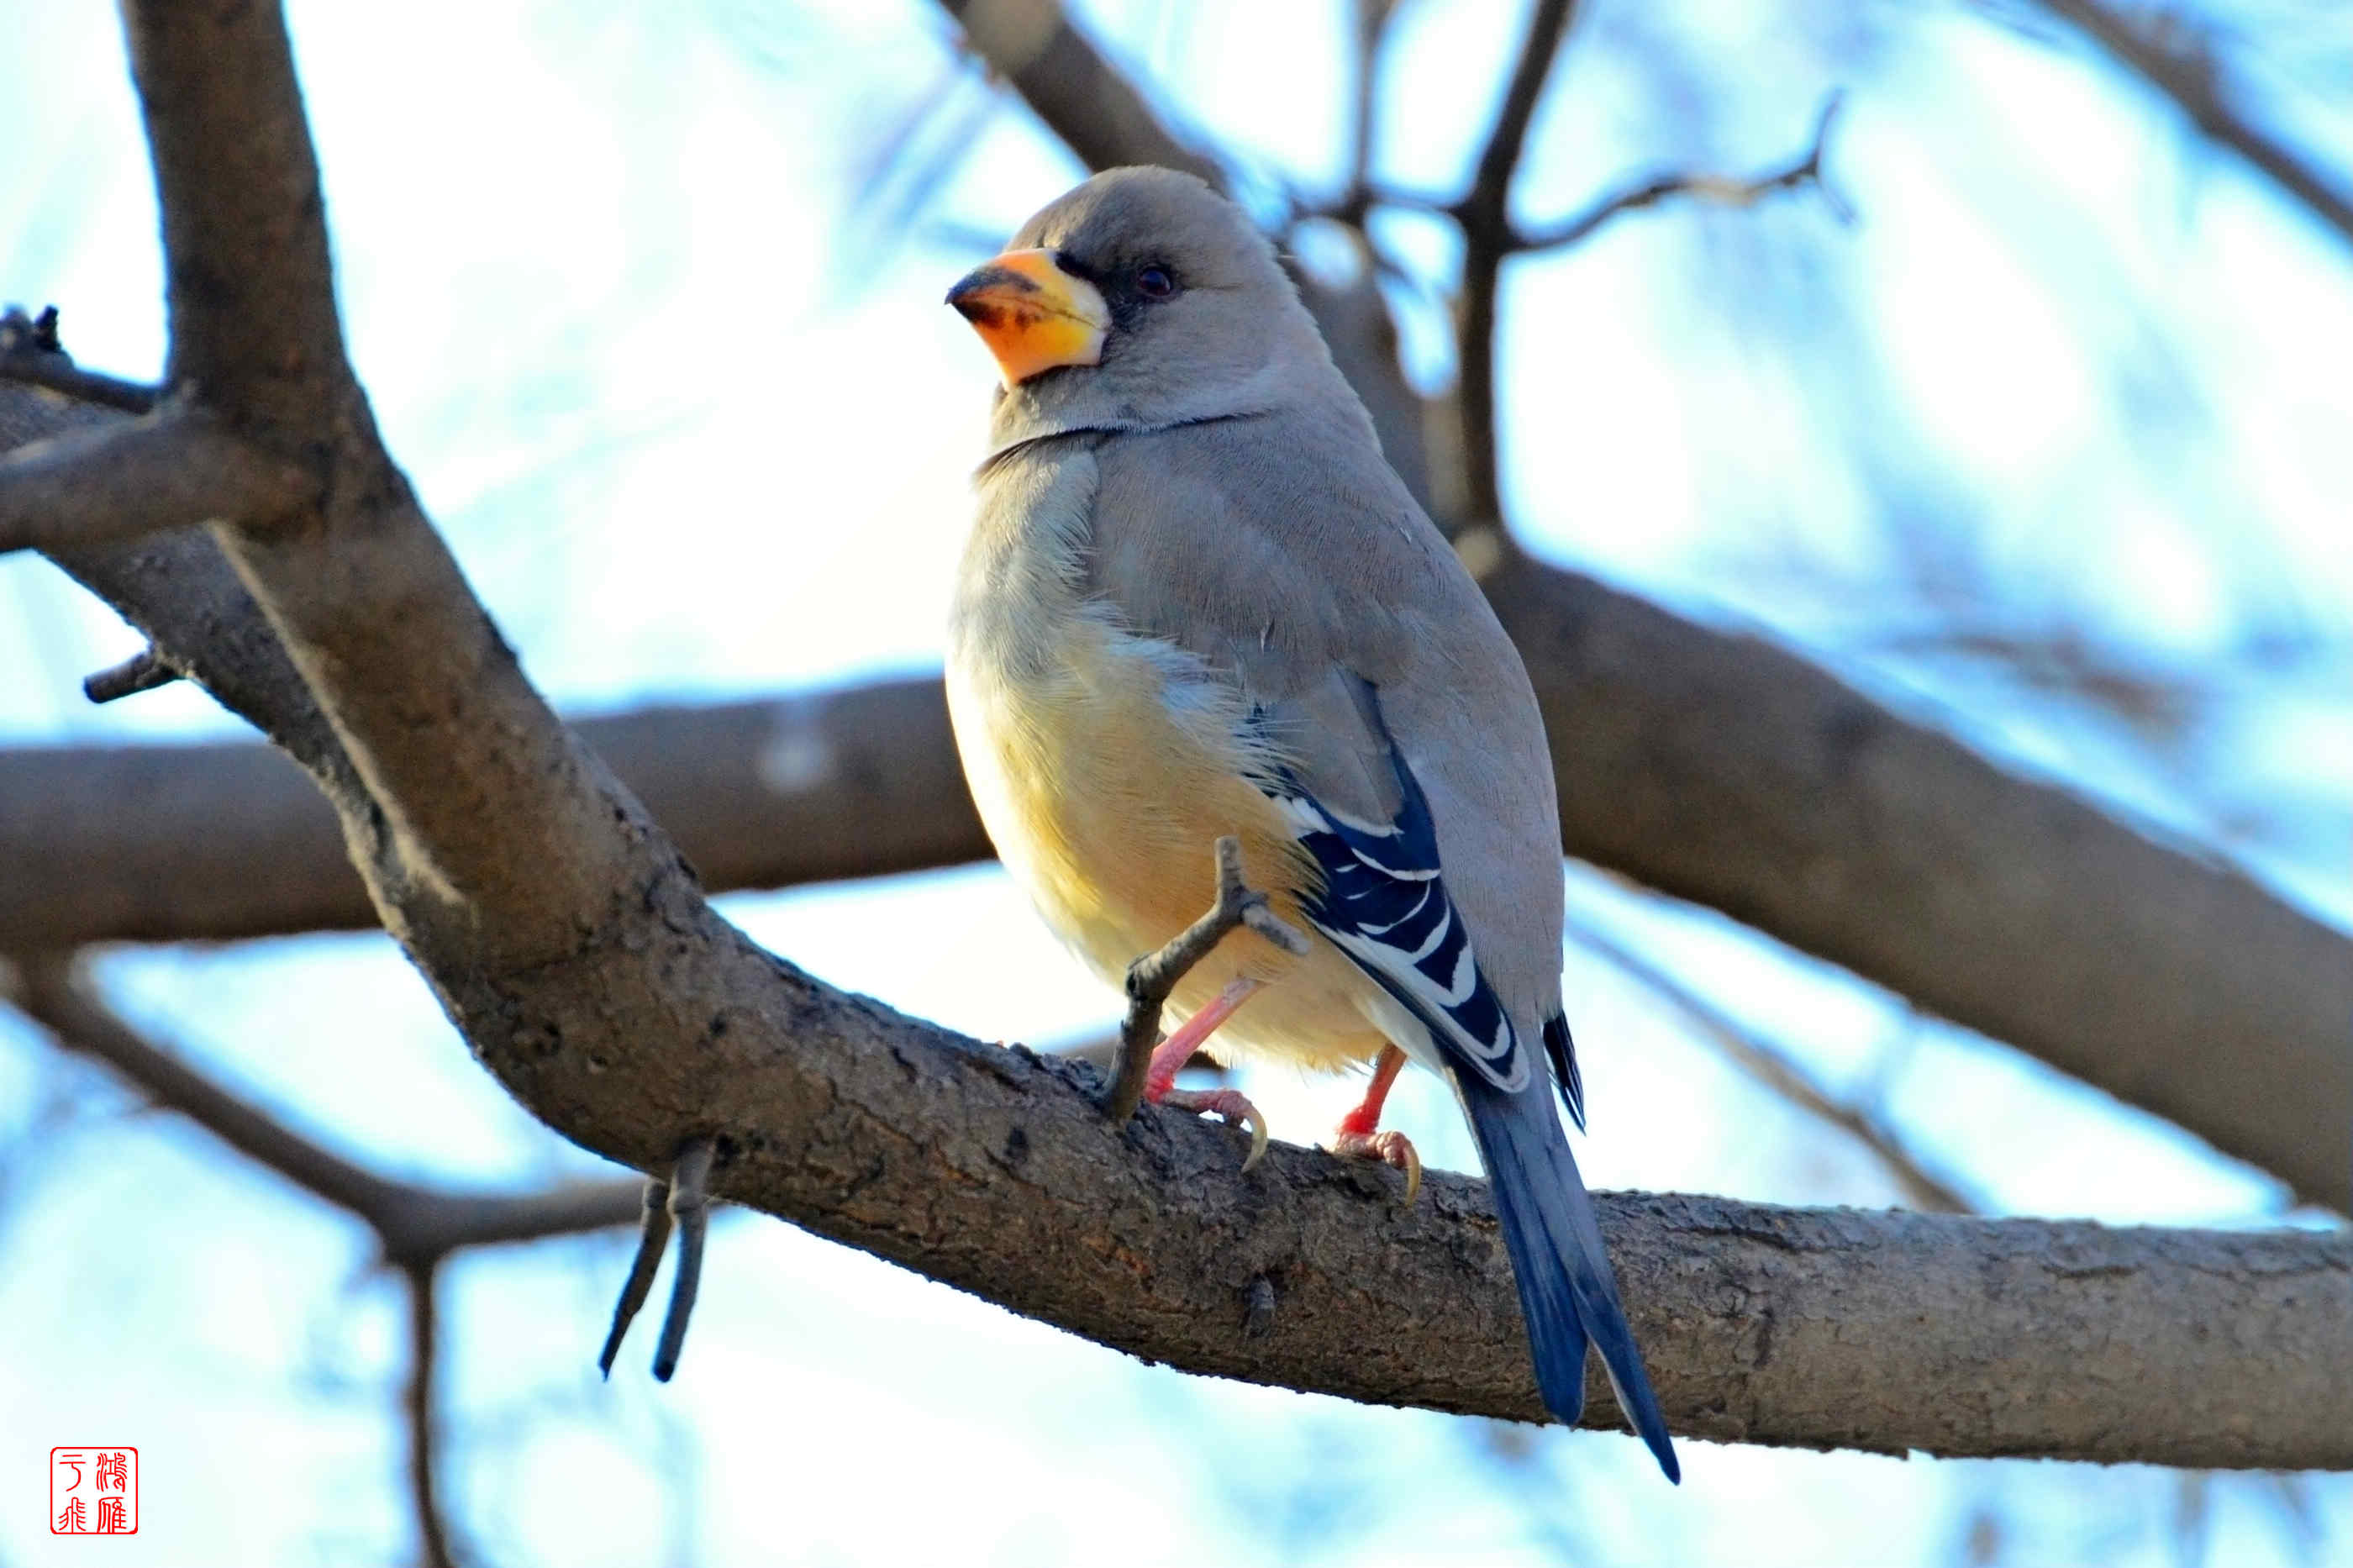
696,424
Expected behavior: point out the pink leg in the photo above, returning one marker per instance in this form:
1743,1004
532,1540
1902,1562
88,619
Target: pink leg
1173,1053
1367,1114
1177,1049
1355,1138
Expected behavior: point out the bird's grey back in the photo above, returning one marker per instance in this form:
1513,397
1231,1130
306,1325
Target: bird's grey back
1282,547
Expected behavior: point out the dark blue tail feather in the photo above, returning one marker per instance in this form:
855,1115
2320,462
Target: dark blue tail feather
1566,1290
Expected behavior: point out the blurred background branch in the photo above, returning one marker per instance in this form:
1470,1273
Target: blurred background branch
416,1228
2170,49
1775,1070
2041,515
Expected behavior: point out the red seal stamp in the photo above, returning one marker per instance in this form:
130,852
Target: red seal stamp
94,1491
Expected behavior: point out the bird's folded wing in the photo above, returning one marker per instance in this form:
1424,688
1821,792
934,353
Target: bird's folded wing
1384,903
1408,751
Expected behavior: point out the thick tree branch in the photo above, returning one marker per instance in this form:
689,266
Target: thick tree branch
126,480
248,277
992,1169
1726,771
2189,77
1071,87
227,840
569,942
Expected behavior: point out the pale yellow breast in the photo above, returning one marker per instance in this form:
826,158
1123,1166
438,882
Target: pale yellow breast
1105,800
1106,766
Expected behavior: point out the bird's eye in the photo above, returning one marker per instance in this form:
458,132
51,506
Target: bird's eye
1155,283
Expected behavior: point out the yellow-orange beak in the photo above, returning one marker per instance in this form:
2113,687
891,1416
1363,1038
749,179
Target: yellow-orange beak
1032,315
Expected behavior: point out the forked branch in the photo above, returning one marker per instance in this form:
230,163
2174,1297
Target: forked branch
1151,978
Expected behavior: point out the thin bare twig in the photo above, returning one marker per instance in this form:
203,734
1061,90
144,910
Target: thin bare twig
1489,203
1772,1068
690,1211
1372,19
682,1200
1151,978
142,671
30,354
653,1237
53,994
410,1221
1719,189
417,1400
417,1227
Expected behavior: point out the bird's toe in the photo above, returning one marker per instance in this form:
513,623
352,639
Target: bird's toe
1230,1104
1391,1148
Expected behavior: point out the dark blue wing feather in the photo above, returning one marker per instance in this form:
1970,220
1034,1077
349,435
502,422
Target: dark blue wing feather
1384,904
1563,1052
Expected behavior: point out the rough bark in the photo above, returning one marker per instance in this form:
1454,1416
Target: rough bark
572,946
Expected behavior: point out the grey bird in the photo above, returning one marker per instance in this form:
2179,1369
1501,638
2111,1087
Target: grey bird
1197,603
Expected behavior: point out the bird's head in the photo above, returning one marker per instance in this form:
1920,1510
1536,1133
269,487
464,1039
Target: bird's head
1142,299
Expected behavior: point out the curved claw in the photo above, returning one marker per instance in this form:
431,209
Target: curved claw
1392,1148
1229,1103
1257,1125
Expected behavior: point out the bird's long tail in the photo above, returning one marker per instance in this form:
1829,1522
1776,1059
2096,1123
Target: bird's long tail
1566,1290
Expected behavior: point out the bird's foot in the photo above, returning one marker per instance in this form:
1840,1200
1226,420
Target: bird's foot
1356,1137
1229,1103
1391,1148
1143,1073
